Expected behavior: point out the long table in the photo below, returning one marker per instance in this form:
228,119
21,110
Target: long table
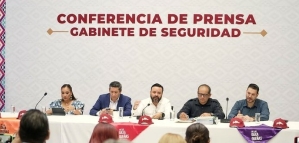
78,129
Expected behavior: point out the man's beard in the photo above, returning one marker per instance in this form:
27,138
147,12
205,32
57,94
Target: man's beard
156,99
250,100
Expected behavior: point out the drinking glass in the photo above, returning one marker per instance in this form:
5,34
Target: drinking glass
257,117
121,112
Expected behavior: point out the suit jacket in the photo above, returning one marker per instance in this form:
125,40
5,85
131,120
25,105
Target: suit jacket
104,101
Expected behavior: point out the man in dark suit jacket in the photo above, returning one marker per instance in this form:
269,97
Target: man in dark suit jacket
114,99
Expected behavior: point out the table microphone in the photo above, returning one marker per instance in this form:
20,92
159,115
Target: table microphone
143,111
40,100
144,108
225,120
226,107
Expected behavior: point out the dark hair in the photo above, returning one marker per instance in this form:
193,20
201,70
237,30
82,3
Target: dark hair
157,85
115,84
207,87
254,86
70,87
102,132
197,133
34,127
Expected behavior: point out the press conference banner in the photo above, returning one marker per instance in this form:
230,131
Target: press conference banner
103,19
179,44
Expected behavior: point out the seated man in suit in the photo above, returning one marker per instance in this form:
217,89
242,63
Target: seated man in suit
155,106
112,100
246,108
201,106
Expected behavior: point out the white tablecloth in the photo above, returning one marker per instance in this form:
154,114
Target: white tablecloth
77,129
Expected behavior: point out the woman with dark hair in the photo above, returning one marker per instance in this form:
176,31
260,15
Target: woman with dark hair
34,128
68,102
102,132
197,133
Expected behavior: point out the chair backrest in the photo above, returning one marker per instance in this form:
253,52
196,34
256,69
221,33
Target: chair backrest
21,113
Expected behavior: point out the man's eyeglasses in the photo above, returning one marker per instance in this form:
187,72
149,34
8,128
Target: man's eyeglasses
204,95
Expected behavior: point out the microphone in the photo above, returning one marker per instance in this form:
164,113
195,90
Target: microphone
144,108
137,117
225,120
226,107
40,100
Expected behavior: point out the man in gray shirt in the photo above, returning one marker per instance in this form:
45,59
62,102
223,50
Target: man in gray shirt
246,108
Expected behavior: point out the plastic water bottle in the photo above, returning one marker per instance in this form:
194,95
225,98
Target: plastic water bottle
13,109
172,114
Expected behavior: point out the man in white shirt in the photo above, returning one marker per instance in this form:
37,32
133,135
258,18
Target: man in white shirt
155,106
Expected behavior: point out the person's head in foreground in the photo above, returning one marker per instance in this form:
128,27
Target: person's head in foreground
34,128
197,133
102,132
172,138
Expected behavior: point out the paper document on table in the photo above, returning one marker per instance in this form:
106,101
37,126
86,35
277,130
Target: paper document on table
185,121
206,120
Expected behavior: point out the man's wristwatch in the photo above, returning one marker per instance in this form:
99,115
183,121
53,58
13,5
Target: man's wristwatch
212,114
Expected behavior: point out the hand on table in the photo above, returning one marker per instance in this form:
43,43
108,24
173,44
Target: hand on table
184,116
205,115
105,111
49,111
77,111
245,118
157,115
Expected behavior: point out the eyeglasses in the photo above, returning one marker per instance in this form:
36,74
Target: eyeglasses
204,95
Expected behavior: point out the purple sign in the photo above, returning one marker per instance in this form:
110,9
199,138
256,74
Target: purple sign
258,134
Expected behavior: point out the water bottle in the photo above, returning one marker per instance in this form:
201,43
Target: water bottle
172,114
13,109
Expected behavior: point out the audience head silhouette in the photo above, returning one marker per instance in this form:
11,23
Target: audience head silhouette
197,133
102,132
34,127
172,138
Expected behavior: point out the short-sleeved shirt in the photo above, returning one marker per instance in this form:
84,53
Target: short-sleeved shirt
76,103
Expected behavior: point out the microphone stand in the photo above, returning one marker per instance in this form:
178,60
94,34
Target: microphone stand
40,100
225,120
143,111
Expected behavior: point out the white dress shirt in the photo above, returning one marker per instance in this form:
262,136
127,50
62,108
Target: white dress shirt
163,106
113,105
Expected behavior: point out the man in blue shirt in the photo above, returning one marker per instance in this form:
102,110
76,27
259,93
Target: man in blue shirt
246,108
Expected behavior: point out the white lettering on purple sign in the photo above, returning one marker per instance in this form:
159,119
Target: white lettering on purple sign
255,136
